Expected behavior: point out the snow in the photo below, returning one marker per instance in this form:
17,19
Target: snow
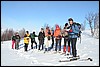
89,47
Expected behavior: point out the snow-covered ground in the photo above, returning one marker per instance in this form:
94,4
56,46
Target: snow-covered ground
89,47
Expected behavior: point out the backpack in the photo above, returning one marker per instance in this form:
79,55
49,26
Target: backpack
49,32
79,26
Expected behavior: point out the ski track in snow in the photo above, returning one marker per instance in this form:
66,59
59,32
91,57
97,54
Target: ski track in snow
87,48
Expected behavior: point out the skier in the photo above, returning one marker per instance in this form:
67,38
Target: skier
32,36
74,30
26,42
52,36
58,37
41,37
68,39
13,41
17,41
65,36
47,39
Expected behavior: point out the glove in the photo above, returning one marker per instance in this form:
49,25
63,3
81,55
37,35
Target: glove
70,30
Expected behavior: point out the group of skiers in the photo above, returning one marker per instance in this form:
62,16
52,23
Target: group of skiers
46,37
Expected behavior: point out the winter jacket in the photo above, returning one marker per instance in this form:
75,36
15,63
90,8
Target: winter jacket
32,36
74,30
41,36
26,40
57,33
14,38
65,33
17,38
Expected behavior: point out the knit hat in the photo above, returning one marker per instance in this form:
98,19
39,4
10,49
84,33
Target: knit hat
57,26
70,19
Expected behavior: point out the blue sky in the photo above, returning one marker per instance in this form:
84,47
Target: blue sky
32,15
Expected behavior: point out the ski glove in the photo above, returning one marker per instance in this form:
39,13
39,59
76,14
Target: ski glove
70,30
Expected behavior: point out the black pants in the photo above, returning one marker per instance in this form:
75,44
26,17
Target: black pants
58,41
73,43
32,44
52,42
26,46
69,42
41,42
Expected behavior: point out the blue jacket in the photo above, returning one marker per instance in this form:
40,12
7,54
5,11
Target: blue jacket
75,31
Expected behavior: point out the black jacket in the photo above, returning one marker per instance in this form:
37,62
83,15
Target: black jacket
18,37
41,36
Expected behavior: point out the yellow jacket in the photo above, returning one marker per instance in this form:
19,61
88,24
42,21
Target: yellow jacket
26,40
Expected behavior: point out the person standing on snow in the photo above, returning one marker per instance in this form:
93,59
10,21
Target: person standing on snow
65,36
58,37
17,41
74,30
67,29
52,36
41,37
13,41
48,34
32,36
26,42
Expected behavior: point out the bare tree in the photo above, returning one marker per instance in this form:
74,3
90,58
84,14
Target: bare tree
22,33
96,25
90,19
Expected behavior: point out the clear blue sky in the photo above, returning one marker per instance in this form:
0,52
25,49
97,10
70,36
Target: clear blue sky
32,15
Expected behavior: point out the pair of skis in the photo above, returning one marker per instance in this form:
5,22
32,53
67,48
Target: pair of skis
75,58
68,59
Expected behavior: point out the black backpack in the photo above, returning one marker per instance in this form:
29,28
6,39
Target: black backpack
49,32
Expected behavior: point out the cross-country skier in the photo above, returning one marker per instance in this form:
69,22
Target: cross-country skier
74,30
26,42
32,36
52,36
68,39
41,37
65,36
58,37
17,41
48,34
